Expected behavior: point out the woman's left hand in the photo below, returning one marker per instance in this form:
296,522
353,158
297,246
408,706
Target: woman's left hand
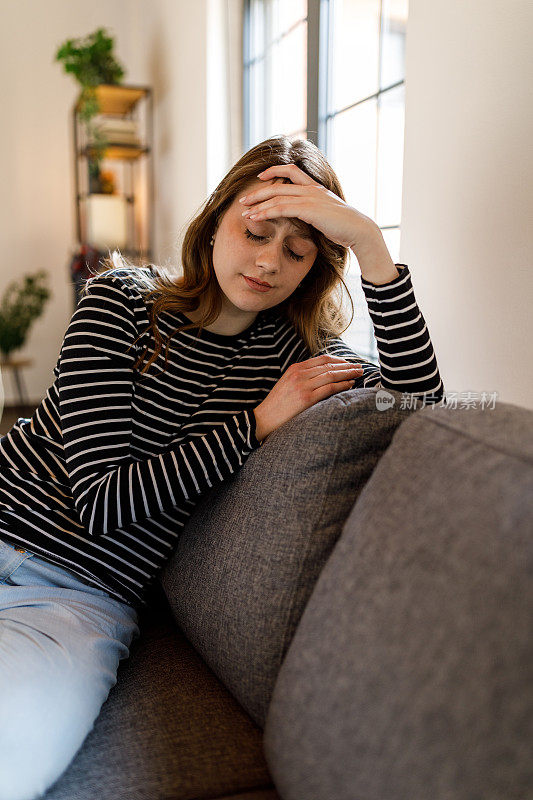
313,203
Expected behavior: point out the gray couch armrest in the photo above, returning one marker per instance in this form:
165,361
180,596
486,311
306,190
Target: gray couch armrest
410,674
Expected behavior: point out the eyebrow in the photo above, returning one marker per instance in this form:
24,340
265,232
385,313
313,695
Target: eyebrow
299,229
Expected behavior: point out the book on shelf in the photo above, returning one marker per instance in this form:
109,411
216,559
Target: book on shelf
119,131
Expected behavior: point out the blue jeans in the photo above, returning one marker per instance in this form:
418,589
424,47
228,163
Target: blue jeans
61,641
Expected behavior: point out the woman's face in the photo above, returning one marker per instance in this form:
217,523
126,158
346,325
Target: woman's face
278,251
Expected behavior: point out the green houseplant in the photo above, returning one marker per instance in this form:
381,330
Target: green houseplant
91,62
20,306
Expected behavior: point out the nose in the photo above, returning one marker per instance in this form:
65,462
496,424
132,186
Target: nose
269,256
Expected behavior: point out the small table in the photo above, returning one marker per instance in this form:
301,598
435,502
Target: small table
16,364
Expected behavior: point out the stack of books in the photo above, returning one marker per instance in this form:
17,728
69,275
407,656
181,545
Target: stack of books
119,131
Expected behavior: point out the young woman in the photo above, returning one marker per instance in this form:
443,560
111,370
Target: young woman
96,486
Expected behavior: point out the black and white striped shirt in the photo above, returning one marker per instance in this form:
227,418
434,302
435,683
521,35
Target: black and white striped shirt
104,475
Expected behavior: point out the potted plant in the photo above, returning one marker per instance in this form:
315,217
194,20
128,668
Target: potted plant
21,305
91,61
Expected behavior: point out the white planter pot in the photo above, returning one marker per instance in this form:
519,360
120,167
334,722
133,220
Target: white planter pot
107,225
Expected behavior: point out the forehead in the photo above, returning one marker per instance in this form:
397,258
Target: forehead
294,224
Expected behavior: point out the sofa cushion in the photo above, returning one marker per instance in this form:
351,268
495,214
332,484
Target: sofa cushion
410,673
249,557
168,730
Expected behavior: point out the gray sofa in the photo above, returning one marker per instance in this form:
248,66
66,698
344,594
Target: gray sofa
348,618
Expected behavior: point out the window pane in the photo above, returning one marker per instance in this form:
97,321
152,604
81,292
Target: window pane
390,156
288,12
394,28
355,56
257,101
257,29
288,96
360,334
277,98
392,240
352,154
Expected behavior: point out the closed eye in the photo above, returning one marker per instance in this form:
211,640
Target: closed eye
255,238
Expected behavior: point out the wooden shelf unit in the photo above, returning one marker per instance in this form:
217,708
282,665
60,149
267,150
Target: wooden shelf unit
135,160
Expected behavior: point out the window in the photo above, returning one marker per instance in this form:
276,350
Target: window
274,70
333,71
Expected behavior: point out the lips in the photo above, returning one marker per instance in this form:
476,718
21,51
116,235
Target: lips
255,286
261,283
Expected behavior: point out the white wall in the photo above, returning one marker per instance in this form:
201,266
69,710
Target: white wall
36,192
467,231
172,58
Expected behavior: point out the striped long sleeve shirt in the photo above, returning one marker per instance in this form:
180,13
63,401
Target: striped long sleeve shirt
106,472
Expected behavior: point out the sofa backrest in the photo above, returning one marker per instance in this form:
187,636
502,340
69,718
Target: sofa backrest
410,674
250,555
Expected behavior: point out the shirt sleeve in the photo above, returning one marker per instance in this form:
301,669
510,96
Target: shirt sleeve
110,488
407,361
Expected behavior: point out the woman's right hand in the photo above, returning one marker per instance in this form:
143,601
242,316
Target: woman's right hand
302,385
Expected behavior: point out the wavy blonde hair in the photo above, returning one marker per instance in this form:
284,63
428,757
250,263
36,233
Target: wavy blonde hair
315,308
